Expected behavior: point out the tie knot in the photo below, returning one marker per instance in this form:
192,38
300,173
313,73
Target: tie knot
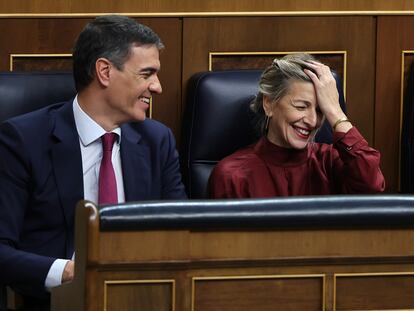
108,140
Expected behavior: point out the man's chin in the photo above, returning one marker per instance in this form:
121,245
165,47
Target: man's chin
140,117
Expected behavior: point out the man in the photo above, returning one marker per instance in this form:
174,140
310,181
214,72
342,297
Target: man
53,157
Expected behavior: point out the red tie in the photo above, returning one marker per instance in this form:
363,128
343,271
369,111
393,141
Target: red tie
107,182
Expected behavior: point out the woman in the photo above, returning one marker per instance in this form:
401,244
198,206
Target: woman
296,94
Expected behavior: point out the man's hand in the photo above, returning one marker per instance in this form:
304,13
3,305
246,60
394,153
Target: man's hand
68,272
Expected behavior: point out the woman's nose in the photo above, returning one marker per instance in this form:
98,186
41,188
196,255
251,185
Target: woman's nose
311,117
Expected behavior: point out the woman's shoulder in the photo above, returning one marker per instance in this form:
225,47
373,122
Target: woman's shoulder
242,159
242,154
321,152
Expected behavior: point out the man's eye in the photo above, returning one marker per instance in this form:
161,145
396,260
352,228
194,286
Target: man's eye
145,75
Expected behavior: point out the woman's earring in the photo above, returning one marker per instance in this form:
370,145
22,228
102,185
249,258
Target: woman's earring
266,124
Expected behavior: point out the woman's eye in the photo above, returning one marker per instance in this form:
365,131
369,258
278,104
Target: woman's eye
300,108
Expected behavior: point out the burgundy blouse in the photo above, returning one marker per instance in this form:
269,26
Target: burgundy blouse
266,170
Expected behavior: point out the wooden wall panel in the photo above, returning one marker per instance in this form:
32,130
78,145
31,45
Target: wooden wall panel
240,269
234,61
356,35
395,34
373,59
41,62
37,36
375,292
139,295
167,106
57,36
259,293
144,6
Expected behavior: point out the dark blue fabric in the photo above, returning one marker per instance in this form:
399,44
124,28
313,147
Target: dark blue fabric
22,92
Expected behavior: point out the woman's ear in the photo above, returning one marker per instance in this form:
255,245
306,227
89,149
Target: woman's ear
267,106
103,68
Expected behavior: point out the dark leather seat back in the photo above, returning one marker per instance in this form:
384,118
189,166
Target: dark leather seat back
218,121
407,137
22,92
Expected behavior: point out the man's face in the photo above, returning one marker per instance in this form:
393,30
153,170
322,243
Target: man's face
131,88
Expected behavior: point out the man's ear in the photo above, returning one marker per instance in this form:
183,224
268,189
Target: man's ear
267,106
102,71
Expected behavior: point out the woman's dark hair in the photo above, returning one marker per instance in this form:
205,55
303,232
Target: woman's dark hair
111,37
275,82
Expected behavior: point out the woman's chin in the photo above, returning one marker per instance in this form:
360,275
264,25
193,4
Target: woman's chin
299,144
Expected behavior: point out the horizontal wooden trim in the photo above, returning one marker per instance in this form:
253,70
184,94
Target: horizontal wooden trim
241,263
210,14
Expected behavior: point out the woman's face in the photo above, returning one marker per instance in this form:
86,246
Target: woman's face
295,117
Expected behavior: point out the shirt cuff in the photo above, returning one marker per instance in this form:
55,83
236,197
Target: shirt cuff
54,276
349,140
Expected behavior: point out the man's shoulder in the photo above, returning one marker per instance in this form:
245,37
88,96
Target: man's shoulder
37,118
34,127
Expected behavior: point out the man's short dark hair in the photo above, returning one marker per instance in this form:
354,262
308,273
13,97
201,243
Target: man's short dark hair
111,37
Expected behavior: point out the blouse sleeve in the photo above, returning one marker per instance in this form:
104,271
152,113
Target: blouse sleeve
356,165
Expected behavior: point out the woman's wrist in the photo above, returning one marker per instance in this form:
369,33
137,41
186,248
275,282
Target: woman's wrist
333,114
342,124
339,121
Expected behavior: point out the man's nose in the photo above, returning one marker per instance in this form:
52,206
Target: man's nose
155,85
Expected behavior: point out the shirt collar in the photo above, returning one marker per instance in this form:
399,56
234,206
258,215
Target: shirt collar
87,128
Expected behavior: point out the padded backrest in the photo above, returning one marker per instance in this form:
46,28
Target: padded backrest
22,92
407,136
335,211
218,121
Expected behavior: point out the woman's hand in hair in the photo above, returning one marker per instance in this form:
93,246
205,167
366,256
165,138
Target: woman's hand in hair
327,94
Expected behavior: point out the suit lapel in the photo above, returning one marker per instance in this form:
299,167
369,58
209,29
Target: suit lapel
67,161
135,157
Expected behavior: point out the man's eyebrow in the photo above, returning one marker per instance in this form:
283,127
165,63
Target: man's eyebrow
149,69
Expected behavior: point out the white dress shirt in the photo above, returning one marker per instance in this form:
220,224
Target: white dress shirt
90,134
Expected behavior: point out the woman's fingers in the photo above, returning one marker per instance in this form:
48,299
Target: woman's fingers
312,76
321,70
325,88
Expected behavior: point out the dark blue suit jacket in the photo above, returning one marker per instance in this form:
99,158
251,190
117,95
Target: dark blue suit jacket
41,181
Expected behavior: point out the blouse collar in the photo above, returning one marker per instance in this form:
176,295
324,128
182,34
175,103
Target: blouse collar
280,156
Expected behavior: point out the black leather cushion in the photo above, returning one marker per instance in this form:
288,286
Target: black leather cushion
23,92
293,212
218,121
407,137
